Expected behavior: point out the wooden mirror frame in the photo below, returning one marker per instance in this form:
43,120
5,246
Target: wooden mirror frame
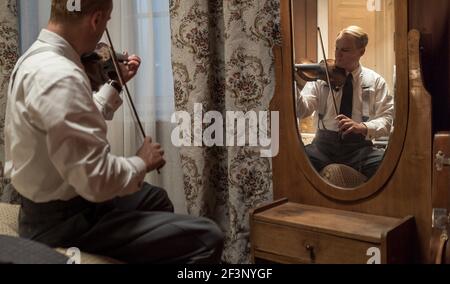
392,155
402,185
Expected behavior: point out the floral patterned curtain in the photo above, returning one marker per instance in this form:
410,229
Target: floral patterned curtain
9,52
222,58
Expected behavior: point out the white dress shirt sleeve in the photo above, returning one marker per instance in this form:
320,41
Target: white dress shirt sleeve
107,100
307,100
381,123
77,144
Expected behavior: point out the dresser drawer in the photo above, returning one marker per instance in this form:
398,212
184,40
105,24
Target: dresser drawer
302,246
287,232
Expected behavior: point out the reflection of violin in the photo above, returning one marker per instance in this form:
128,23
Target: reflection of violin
310,71
99,65
327,73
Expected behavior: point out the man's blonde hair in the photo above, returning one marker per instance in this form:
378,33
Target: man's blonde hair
362,39
60,14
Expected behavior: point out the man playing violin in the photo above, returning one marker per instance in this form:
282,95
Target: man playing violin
74,192
365,110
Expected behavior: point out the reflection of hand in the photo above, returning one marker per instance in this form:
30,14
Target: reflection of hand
130,69
347,126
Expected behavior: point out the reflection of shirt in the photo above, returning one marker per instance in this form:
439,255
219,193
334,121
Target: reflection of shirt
56,145
381,106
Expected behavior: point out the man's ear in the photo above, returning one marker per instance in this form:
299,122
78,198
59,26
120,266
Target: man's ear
363,51
95,20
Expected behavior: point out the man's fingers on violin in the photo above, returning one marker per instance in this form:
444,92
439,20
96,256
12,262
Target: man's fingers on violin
137,58
134,61
133,66
132,70
130,74
134,58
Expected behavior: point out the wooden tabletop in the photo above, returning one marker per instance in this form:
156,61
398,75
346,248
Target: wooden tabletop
335,222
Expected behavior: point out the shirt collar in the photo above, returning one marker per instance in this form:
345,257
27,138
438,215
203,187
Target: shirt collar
59,42
357,72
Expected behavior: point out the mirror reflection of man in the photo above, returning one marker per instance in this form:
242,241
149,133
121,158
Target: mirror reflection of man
365,108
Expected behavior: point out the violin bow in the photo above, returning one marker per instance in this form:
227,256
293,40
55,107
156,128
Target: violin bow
327,72
122,82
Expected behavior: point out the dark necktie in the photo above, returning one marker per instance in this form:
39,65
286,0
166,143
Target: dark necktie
347,97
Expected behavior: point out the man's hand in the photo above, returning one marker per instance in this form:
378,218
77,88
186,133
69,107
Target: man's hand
347,126
152,154
130,69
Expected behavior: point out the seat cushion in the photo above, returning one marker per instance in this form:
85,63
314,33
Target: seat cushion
343,176
15,250
9,215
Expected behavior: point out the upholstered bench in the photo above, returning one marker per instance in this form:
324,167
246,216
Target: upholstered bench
9,226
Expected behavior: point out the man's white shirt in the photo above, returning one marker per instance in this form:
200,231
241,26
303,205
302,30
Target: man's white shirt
55,131
381,105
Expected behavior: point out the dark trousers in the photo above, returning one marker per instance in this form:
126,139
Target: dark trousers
353,151
139,228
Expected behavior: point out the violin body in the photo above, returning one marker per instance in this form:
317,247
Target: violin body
99,66
310,71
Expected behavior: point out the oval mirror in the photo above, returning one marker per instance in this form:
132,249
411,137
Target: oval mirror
346,129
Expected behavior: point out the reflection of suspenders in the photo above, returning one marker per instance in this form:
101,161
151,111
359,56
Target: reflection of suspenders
25,57
368,100
323,97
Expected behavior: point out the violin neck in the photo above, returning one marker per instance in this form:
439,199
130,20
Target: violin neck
309,67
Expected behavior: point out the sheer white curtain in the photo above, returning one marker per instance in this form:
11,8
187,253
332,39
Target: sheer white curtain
33,17
140,27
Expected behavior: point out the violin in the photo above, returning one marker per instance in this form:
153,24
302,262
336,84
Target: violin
310,71
99,65
325,70
103,65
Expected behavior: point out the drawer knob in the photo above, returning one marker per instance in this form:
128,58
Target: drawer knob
312,255
441,161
